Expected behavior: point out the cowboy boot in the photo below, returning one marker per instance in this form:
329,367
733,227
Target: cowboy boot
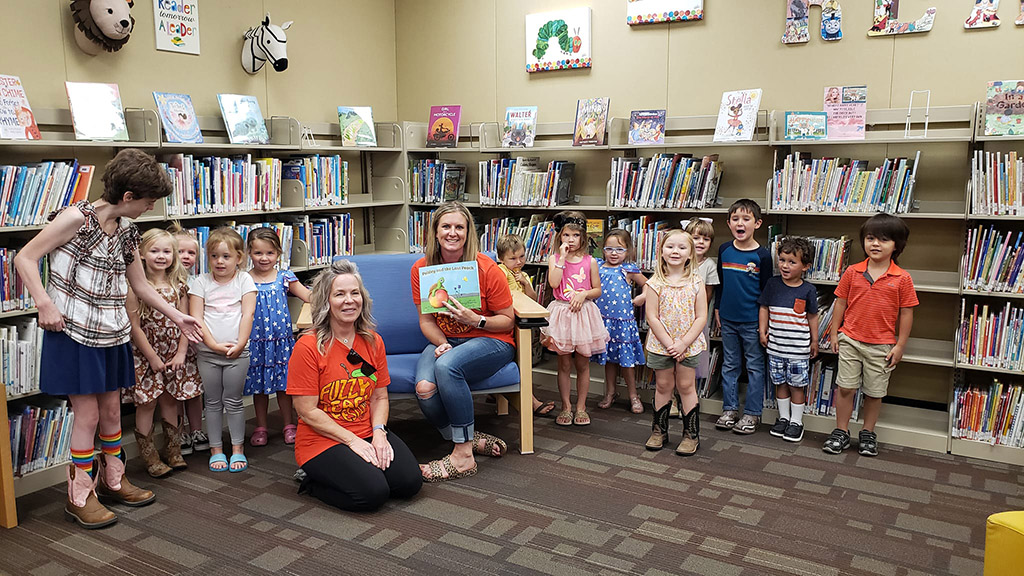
172,446
82,506
115,485
154,466
691,432
659,428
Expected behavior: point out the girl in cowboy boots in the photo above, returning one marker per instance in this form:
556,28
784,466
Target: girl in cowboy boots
677,310
166,372
93,251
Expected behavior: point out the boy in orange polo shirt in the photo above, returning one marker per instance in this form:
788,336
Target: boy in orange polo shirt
875,303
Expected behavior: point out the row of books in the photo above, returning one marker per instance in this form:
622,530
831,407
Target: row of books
495,228
997,184
822,390
991,338
831,256
324,179
435,181
645,231
285,231
212,184
21,341
13,292
522,182
419,230
992,261
993,414
674,181
841,185
40,436
326,237
28,193
825,313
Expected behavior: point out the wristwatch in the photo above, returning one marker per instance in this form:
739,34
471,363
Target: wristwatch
482,323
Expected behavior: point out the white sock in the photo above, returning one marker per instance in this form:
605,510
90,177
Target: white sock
798,413
784,408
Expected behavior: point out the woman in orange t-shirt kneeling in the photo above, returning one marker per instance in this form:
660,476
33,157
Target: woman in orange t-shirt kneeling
338,374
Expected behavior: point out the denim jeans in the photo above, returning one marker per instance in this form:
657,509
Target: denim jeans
740,341
450,409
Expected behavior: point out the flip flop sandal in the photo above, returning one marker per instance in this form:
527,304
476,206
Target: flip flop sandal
489,443
564,418
438,467
218,459
544,409
636,406
581,418
236,458
607,402
259,436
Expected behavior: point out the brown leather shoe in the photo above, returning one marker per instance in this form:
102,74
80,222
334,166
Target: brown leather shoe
115,485
172,446
82,506
154,466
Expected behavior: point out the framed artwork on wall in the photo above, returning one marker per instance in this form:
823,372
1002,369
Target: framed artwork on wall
558,40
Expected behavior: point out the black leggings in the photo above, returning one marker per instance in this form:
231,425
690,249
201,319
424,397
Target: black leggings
341,478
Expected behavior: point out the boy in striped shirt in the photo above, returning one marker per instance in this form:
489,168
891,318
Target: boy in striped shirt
788,327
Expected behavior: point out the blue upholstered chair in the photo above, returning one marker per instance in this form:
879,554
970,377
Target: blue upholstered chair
387,280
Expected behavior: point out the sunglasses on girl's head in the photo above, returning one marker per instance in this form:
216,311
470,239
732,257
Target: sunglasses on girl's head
615,249
355,358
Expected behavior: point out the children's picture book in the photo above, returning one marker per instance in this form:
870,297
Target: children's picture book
647,127
357,126
595,237
591,118
654,11
806,126
16,119
243,119
520,126
558,40
178,117
847,111
456,281
737,116
454,176
1004,108
443,127
96,111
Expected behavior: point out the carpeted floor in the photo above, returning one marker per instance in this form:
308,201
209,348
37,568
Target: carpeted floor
590,501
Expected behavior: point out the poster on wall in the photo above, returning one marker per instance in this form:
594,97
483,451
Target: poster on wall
177,25
798,15
886,20
847,111
654,11
558,40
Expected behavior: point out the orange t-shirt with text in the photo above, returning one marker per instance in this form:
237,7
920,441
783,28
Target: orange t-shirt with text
494,295
342,391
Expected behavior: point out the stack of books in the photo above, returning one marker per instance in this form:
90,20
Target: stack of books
997,184
830,259
840,185
21,341
992,414
673,181
324,179
522,182
992,339
28,193
215,185
419,230
434,181
993,260
40,436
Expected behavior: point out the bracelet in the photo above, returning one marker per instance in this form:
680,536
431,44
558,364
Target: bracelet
378,427
562,267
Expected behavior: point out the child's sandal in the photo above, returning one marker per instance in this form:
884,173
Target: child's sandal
636,406
564,418
607,401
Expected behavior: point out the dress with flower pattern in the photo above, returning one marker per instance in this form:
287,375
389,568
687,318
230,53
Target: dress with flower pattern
164,336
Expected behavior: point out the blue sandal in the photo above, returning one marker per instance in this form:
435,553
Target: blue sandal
235,458
218,459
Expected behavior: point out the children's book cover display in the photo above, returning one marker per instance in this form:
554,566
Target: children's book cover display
654,11
806,126
847,111
96,111
1004,108
243,119
16,119
558,40
458,281
591,118
798,19
647,127
178,117
520,127
443,127
356,124
737,116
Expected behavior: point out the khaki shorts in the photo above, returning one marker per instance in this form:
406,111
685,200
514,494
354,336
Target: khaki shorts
863,365
663,362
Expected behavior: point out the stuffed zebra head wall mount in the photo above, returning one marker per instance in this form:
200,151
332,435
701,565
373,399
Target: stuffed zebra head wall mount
265,43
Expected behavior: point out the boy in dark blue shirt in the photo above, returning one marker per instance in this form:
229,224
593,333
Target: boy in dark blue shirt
744,267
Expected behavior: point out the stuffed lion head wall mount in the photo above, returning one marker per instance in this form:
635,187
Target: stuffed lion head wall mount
102,24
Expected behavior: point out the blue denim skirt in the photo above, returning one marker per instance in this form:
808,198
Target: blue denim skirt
68,367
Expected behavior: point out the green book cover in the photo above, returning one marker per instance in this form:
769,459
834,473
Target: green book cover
439,284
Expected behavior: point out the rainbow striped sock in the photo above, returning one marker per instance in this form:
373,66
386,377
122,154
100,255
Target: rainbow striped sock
111,444
82,460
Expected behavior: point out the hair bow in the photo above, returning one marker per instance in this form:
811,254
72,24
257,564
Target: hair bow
686,223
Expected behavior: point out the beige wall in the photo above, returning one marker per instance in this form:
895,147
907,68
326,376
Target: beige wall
341,52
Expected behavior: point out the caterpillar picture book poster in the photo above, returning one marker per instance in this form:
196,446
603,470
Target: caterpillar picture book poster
96,111
806,126
737,116
1004,108
243,119
16,119
847,111
654,11
647,127
439,284
356,126
520,126
558,40
591,117
178,117
443,127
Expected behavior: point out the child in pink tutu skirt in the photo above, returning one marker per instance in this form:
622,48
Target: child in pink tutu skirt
575,325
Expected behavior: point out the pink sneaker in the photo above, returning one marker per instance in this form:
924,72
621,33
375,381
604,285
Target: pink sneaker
289,434
259,436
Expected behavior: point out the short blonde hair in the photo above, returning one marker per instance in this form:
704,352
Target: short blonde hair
701,227
320,305
177,276
433,250
507,244
230,237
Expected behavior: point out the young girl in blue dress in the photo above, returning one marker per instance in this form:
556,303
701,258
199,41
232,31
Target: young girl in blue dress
271,342
618,275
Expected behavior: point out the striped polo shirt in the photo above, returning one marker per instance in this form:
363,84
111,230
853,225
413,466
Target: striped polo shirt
873,307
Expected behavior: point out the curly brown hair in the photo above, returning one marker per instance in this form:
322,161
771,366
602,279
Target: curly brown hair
132,170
